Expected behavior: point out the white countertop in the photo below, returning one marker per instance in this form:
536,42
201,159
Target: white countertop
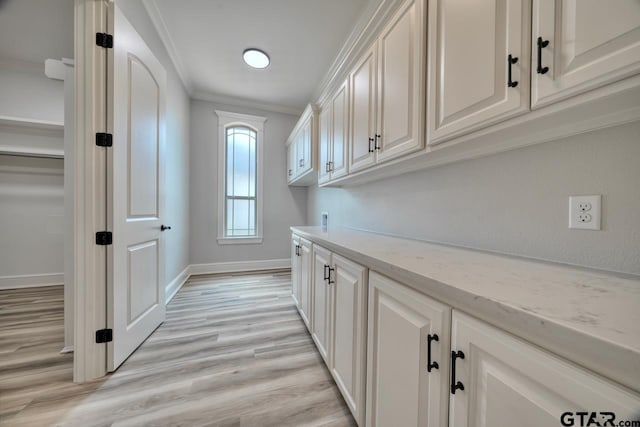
587,316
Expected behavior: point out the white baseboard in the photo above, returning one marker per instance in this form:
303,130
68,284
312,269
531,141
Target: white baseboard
239,266
174,286
67,349
31,281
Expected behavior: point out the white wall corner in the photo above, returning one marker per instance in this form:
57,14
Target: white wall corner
176,284
31,281
240,266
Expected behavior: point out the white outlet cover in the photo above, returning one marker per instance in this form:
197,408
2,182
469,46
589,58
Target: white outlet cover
585,212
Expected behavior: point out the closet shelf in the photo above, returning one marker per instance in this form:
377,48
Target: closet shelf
30,123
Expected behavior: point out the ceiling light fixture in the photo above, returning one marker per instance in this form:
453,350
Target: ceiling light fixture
255,58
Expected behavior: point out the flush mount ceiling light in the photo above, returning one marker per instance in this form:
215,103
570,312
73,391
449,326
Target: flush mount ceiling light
255,58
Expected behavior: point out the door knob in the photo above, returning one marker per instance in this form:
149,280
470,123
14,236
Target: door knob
165,227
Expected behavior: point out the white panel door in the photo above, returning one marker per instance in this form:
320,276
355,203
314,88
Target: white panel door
348,333
324,122
340,131
363,111
469,86
508,382
320,323
587,44
136,300
295,270
402,390
402,58
304,279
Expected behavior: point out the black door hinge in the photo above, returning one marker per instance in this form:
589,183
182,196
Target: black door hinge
104,139
104,335
104,238
104,40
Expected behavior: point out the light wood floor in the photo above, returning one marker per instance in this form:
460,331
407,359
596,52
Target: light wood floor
232,352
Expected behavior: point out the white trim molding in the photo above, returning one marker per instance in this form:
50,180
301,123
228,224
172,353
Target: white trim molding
31,281
176,284
239,266
225,120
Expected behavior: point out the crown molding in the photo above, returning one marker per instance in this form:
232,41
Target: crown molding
163,32
245,103
364,32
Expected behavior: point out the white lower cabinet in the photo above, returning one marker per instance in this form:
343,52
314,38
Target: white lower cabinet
321,301
401,358
349,332
510,382
301,277
407,366
339,325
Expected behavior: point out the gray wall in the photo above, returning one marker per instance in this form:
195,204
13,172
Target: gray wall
515,202
177,152
283,206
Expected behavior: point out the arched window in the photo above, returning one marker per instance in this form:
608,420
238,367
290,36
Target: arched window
240,182
240,197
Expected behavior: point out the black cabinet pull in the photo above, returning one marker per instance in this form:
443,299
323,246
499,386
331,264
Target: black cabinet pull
430,364
511,60
165,227
455,385
289,172
541,44
377,146
329,277
298,250
371,150
326,167
326,274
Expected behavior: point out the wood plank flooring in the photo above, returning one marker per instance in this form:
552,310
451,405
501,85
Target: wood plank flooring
233,351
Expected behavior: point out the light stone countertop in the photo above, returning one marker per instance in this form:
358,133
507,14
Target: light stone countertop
587,316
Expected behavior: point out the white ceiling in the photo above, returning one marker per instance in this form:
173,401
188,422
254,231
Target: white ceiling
34,30
206,39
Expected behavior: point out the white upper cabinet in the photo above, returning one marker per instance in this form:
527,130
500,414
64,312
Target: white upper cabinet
584,44
502,381
334,136
479,53
339,132
401,75
364,111
301,149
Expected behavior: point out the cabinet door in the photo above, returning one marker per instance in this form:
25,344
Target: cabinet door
295,271
363,112
509,382
304,279
324,122
320,323
469,79
291,161
348,333
591,43
340,131
402,58
305,147
400,389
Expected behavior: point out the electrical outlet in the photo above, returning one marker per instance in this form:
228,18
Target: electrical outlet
324,220
585,212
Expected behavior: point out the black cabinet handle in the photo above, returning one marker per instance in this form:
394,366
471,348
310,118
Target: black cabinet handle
164,227
371,150
541,44
289,172
330,166
329,277
377,147
326,167
301,162
511,60
297,250
455,385
430,364
326,274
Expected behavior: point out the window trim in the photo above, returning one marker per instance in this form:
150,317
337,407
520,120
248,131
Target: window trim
226,120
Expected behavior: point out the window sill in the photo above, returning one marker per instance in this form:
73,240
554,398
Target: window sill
240,240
